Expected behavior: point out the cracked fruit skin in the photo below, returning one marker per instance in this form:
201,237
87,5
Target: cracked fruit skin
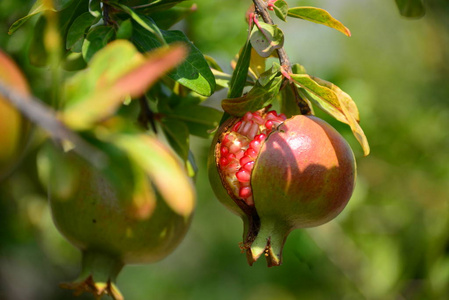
104,224
14,128
302,176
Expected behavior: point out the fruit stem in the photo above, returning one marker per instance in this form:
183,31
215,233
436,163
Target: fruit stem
101,266
98,275
261,8
269,241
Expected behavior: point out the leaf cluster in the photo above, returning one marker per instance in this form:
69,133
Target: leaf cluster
125,81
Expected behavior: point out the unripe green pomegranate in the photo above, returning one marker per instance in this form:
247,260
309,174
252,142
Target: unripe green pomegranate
112,228
14,127
280,174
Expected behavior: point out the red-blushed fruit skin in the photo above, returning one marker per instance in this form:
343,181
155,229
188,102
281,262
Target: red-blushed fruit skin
304,175
90,214
14,128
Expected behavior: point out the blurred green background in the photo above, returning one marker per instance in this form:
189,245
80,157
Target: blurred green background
392,240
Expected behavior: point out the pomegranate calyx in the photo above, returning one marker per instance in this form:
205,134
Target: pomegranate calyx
98,275
269,241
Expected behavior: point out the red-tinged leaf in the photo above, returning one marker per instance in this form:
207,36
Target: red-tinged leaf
158,63
116,72
318,15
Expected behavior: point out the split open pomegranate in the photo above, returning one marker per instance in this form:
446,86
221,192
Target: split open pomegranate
279,174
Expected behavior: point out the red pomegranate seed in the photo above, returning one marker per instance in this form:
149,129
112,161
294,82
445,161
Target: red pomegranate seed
260,137
248,166
224,150
236,126
269,124
239,154
251,153
253,131
243,175
245,159
223,161
248,116
245,127
255,144
245,192
271,115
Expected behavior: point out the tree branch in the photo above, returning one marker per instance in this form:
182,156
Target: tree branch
262,10
34,109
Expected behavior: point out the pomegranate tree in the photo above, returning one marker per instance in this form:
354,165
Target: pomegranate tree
280,174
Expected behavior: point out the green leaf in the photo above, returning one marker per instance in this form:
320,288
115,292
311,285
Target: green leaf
167,18
287,99
95,8
117,71
238,80
281,9
411,8
125,30
38,7
335,102
163,168
37,52
177,134
200,120
258,97
194,73
266,39
145,22
78,30
318,15
344,98
96,39
147,7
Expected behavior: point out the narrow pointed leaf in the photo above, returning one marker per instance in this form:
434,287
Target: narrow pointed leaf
193,73
145,22
318,15
345,99
38,7
163,168
240,73
78,30
116,72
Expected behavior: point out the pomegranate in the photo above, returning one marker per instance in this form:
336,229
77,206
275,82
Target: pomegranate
280,174
14,128
111,228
